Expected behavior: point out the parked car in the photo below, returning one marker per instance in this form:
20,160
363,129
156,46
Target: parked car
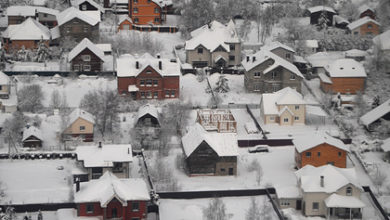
258,149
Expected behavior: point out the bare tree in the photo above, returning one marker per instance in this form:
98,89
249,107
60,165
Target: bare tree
55,101
216,210
30,98
196,13
13,127
253,213
163,178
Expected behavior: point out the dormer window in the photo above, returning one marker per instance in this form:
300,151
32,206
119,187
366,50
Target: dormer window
369,26
232,47
349,191
200,50
288,56
148,72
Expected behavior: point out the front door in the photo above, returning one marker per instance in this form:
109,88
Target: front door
299,204
114,213
231,171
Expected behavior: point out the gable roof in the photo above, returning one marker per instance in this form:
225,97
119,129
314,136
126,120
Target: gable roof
264,55
104,156
108,187
321,59
85,43
321,8
364,8
93,3
286,96
79,113
345,68
26,10
126,65
4,78
339,201
30,29
123,18
375,113
147,109
276,44
361,22
224,144
312,140
212,36
334,178
32,131
382,41
71,13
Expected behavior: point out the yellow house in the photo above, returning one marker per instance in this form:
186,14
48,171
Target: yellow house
5,84
284,107
80,124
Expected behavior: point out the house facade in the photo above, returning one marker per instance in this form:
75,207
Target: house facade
18,14
86,57
318,150
220,120
148,77
223,51
146,12
366,11
345,76
80,124
267,72
210,153
111,198
285,107
365,26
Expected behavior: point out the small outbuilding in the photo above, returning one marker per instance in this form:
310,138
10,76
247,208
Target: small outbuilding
148,116
32,137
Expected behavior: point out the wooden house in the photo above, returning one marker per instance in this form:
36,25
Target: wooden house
80,124
148,77
148,116
17,14
268,72
316,12
86,57
101,158
148,12
210,153
365,26
284,107
32,137
111,198
318,150
345,76
375,115
367,11
89,5
220,120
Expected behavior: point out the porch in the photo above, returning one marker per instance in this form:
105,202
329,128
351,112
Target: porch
343,207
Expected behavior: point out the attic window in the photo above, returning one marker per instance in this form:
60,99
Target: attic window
148,72
200,50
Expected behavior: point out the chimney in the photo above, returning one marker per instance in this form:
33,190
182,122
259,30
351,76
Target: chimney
136,64
160,65
100,144
158,56
77,181
253,59
322,181
247,58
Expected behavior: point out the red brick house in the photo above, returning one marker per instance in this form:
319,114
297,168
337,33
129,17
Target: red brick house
145,12
112,198
86,57
148,77
318,150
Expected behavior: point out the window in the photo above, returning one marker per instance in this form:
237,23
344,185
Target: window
89,208
76,67
288,56
135,206
86,57
136,20
142,82
142,95
134,218
84,7
285,203
285,119
148,72
173,93
292,76
232,58
148,95
272,118
275,87
355,33
369,26
126,27
296,118
135,1
155,95
155,82
308,154
68,29
82,128
257,87
87,68
1,87
273,75
149,82
223,169
86,29
316,206
256,74
118,167
149,1
200,50
340,154
97,172
319,154
349,191
330,163
135,10
156,20
296,107
232,47
167,93
156,10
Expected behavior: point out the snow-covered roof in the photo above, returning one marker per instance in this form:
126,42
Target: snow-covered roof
147,109
108,187
55,32
355,53
79,113
321,59
264,55
364,8
340,20
345,68
339,201
224,144
276,44
334,178
321,8
93,3
104,156
4,78
32,131
30,29
93,14
122,18
311,43
386,145
375,113
126,65
361,22
213,36
84,44
163,3
288,192
312,140
286,96
26,10
71,13
299,59
104,47
382,41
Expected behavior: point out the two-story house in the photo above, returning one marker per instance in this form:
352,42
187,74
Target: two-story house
99,159
345,76
148,77
86,57
210,153
365,26
80,124
285,107
330,191
16,14
148,12
79,24
112,198
220,120
320,149
214,45
282,50
267,72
